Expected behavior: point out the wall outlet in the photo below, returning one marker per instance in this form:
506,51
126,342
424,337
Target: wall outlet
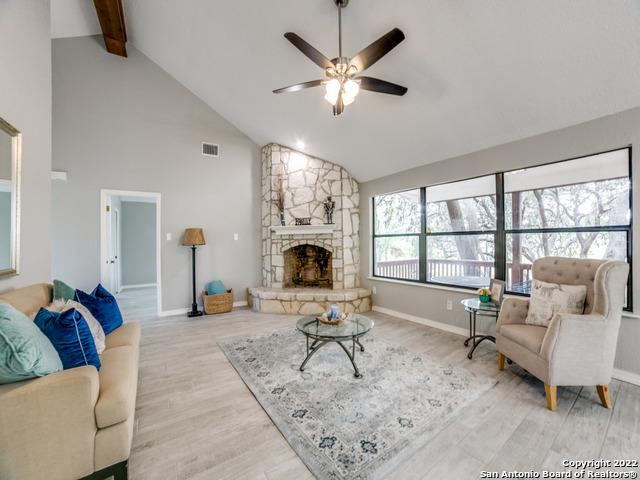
235,236
373,290
449,305
168,237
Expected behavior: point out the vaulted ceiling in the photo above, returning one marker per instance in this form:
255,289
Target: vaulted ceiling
479,72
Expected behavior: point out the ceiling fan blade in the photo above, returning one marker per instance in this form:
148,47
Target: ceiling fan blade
316,57
299,86
381,86
378,49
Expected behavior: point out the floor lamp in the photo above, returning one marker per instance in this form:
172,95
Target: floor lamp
192,238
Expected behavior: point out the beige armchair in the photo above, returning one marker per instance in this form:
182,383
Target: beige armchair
573,349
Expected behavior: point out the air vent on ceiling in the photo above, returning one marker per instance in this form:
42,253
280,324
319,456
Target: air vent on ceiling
210,149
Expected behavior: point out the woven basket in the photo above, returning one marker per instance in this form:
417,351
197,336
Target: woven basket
220,303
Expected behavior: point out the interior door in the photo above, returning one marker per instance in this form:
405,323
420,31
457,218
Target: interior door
111,251
115,243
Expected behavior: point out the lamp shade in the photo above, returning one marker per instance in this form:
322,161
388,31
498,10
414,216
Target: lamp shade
193,236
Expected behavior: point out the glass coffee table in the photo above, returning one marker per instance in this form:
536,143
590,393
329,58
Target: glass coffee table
319,334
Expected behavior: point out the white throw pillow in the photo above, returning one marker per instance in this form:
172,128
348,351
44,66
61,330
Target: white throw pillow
96,329
547,299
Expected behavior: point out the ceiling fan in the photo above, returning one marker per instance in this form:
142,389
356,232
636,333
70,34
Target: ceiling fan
343,75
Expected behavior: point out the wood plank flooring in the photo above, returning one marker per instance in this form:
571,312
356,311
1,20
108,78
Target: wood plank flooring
195,418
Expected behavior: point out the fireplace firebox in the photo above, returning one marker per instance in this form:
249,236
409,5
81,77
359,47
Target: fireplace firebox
308,266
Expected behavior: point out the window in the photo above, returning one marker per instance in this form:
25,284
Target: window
461,230
464,233
397,226
577,208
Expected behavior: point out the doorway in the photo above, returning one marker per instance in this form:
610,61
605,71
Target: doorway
130,249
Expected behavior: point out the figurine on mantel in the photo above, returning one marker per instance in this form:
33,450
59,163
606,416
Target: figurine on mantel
329,207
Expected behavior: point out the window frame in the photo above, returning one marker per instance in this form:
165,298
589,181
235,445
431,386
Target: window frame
500,232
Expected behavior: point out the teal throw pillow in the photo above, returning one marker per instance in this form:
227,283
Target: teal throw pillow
62,291
25,352
215,288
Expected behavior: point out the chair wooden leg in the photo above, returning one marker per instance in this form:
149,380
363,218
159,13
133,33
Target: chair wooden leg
500,361
552,396
603,393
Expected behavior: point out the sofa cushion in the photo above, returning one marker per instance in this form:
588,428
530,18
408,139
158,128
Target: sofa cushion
103,306
25,352
118,383
62,291
71,336
61,305
127,334
528,336
29,300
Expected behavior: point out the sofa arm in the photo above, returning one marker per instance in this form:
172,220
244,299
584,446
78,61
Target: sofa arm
47,426
575,348
513,310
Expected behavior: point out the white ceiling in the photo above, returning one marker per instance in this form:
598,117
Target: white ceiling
480,73
73,18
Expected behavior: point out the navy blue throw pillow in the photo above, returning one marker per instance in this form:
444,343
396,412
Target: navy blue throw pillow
71,337
103,306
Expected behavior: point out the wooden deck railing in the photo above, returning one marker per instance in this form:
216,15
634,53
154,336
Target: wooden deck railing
448,268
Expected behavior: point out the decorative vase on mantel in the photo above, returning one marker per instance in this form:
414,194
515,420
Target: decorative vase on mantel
282,218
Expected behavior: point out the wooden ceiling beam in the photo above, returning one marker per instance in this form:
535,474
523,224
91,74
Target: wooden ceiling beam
111,17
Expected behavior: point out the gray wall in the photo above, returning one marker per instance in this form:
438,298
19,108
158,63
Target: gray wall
138,243
125,124
599,135
25,102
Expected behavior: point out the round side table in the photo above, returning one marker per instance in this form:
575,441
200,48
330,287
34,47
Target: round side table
477,308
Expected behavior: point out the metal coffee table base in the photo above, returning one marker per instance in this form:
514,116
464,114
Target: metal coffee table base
319,343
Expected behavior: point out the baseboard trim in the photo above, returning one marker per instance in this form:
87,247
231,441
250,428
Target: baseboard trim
618,374
173,313
183,311
626,376
139,285
423,321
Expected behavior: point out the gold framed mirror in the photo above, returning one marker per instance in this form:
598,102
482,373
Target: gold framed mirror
10,165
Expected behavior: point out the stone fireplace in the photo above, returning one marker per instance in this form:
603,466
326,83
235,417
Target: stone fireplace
308,266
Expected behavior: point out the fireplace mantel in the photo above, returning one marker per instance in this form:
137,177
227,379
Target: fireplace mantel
303,229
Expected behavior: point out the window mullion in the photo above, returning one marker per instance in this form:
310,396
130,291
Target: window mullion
422,248
500,245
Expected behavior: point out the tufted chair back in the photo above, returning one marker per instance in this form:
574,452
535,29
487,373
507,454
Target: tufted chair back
569,271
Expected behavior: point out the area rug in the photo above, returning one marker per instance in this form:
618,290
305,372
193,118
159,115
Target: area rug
344,427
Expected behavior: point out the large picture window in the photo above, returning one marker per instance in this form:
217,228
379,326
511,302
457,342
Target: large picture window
461,228
464,233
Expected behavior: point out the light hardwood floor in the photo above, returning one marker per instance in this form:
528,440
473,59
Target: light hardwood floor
195,418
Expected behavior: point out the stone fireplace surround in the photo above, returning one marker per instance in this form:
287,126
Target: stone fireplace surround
307,182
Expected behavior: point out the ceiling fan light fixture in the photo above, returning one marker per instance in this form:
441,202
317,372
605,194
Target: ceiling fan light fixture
332,89
343,79
351,88
347,100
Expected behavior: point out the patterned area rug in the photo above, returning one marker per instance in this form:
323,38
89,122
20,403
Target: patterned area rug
348,428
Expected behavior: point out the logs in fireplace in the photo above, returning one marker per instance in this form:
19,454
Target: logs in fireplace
308,266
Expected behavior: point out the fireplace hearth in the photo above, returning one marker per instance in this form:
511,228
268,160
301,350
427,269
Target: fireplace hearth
308,266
